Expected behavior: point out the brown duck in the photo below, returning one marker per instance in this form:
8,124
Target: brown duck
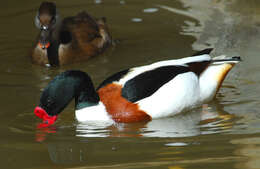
73,39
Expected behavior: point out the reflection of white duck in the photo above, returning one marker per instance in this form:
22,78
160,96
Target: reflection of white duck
182,125
142,93
206,120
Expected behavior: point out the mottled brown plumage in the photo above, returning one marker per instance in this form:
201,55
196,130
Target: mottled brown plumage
73,39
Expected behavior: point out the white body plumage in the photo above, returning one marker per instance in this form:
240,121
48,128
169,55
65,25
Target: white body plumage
185,91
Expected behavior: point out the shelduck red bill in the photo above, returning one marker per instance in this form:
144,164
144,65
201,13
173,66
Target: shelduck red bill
47,119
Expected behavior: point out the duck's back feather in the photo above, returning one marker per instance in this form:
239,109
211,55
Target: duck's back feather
86,36
146,83
141,82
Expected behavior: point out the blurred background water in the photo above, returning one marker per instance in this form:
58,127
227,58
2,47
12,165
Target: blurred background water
223,134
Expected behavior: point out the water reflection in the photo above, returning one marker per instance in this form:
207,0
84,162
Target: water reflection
179,126
209,119
98,151
249,148
124,139
150,10
137,19
98,1
68,153
231,27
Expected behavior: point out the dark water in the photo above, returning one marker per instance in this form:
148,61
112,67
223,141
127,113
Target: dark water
223,134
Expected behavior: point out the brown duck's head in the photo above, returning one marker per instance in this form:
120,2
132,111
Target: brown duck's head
46,20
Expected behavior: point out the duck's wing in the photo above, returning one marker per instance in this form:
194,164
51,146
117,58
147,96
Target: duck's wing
90,33
145,84
82,27
140,82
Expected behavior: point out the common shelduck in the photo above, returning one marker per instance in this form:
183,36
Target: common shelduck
72,39
142,93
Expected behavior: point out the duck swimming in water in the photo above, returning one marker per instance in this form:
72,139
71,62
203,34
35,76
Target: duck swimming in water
143,93
72,39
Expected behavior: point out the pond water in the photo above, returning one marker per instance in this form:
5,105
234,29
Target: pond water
223,134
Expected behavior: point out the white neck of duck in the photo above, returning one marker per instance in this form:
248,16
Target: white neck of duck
93,113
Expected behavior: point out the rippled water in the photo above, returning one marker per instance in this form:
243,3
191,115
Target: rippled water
223,134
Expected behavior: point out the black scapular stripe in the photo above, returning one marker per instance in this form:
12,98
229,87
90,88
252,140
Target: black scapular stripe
198,67
114,77
145,84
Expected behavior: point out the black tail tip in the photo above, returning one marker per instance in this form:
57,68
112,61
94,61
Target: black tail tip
203,52
237,58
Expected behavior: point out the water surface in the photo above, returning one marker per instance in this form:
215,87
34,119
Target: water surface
222,134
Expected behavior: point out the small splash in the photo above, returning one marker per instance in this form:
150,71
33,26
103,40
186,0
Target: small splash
176,144
122,2
150,10
47,65
137,19
98,1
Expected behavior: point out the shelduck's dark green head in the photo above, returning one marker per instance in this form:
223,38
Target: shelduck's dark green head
61,90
